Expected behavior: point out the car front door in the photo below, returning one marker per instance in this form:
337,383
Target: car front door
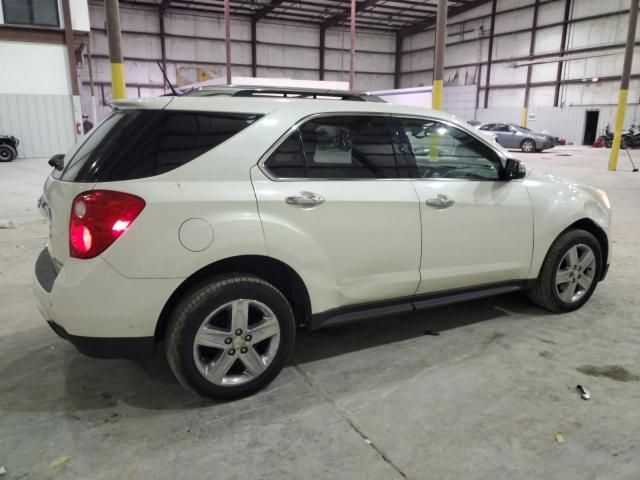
476,228
506,136
337,205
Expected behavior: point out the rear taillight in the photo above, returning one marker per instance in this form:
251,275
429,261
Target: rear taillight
98,218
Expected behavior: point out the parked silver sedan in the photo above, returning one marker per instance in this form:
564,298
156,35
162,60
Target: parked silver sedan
512,136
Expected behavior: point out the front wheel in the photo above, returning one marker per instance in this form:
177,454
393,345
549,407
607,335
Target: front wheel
528,146
230,336
570,272
7,153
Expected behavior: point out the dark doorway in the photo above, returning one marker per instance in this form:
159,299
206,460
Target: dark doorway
590,127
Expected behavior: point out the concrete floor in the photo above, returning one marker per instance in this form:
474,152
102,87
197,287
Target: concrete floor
483,400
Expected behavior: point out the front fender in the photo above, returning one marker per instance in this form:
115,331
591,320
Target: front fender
558,204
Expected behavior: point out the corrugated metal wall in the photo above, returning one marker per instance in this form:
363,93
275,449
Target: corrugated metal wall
43,123
195,44
595,24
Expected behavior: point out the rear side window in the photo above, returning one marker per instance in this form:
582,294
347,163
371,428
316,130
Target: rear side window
338,147
134,144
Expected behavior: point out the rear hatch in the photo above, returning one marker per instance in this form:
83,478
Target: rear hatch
140,139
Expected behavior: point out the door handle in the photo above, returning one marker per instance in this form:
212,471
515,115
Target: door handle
305,199
440,201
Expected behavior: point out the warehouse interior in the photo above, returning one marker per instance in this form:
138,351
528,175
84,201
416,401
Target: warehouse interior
477,390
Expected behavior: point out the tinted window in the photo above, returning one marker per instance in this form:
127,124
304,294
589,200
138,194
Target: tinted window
288,160
338,147
443,151
31,12
141,143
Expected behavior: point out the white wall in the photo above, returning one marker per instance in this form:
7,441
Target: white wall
34,68
79,15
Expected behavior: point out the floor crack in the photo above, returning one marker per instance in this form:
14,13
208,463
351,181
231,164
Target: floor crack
327,398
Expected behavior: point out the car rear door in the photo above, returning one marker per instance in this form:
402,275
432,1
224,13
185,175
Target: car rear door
337,205
476,228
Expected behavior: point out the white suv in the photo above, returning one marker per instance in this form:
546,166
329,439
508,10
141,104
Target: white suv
219,225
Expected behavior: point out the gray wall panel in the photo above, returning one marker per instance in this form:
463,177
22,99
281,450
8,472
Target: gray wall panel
43,123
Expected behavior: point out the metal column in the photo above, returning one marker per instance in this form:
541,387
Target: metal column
563,46
112,12
494,8
323,35
163,48
624,84
398,61
227,38
254,48
438,69
532,48
352,56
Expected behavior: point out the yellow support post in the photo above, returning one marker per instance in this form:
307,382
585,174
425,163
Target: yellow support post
523,120
114,36
437,95
624,84
615,147
118,87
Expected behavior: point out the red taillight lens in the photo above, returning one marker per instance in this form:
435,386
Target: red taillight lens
98,217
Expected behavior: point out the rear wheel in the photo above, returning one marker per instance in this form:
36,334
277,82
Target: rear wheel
528,146
570,272
7,153
230,337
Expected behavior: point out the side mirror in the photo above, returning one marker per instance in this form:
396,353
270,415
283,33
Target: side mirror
513,170
57,161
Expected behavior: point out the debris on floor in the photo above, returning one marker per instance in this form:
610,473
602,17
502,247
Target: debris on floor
60,460
584,393
559,437
3,471
5,224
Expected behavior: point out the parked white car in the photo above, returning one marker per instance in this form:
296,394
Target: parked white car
219,225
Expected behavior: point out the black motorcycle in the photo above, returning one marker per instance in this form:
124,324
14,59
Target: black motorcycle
8,148
630,138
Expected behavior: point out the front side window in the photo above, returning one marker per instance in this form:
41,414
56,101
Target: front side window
337,147
443,151
132,144
31,12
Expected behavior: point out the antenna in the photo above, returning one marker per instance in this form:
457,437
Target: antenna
166,79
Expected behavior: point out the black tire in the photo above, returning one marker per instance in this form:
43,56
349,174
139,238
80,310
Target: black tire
7,153
544,293
528,146
608,142
189,315
624,144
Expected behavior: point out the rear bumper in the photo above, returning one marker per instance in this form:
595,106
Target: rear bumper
138,347
98,310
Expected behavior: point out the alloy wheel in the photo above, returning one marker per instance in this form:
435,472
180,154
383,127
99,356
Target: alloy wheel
236,342
575,273
528,146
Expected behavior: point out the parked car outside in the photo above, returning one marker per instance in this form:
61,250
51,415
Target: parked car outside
218,226
513,136
8,148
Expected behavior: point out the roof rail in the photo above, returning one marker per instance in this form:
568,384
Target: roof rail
286,92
